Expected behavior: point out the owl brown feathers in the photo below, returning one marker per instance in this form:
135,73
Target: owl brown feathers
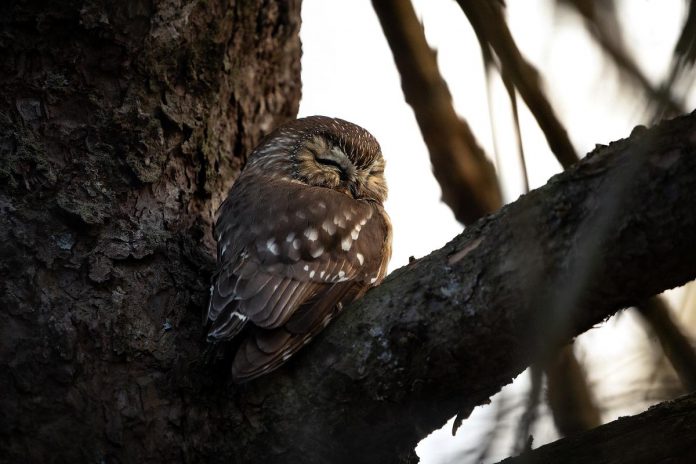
301,234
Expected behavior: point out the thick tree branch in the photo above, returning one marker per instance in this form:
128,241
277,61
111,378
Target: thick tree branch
664,433
445,333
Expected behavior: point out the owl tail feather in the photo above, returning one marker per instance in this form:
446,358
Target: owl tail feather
227,325
265,350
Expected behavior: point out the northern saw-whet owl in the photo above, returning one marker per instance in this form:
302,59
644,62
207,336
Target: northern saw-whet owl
302,233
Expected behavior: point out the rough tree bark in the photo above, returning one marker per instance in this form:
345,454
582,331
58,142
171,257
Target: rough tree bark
121,125
118,126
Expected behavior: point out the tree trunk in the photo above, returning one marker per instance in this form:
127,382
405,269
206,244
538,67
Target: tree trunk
122,124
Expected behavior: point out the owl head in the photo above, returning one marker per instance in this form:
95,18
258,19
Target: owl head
324,152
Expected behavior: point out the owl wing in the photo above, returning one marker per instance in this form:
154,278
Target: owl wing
289,265
265,350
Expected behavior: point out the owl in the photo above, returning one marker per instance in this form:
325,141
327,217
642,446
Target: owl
302,233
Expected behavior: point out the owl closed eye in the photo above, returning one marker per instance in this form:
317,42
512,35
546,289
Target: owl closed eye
302,233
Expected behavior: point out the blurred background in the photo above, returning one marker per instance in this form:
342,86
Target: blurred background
511,94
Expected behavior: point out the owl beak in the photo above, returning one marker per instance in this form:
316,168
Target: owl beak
354,189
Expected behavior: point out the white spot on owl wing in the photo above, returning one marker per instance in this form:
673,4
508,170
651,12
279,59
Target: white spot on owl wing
329,227
373,280
301,214
363,221
341,274
339,221
290,237
321,276
317,252
346,243
361,258
306,267
347,215
296,244
355,233
224,248
272,246
229,317
311,274
322,205
286,356
212,287
311,233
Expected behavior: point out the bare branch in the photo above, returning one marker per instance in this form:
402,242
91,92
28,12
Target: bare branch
486,17
570,397
603,25
664,433
445,333
676,345
468,180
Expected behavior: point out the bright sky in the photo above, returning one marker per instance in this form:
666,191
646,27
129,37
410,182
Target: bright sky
348,72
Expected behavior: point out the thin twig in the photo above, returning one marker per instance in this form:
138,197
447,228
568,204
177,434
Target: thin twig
486,17
467,178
